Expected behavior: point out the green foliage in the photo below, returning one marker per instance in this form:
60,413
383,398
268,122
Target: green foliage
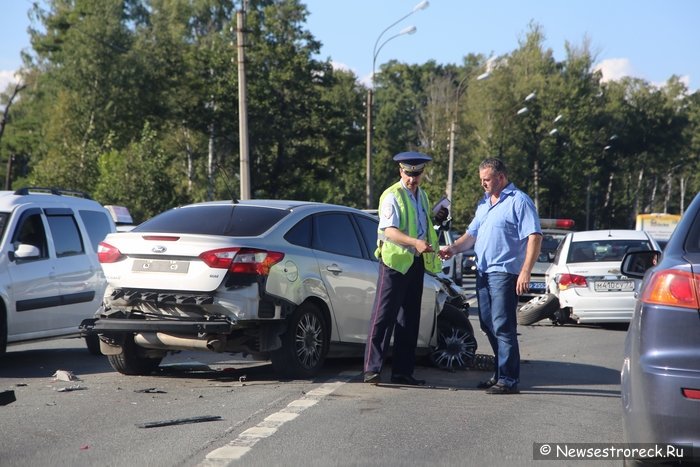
137,101
137,177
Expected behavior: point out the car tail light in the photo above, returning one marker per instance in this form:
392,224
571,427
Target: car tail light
691,393
106,253
569,281
242,260
673,287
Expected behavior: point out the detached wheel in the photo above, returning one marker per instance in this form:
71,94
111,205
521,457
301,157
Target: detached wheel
456,344
132,360
484,362
304,344
539,308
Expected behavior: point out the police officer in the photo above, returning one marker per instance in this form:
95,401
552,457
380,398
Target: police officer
406,248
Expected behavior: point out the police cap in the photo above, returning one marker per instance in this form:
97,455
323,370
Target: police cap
412,161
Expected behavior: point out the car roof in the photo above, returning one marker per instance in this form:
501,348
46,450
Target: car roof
9,200
588,235
290,205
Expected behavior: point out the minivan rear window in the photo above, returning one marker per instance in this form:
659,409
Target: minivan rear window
230,220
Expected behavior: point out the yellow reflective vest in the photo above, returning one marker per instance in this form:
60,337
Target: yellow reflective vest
399,257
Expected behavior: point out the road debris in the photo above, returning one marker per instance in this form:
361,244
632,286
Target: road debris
65,375
180,421
150,391
76,387
7,397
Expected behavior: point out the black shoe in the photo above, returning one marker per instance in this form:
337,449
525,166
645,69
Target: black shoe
407,380
486,384
371,377
499,388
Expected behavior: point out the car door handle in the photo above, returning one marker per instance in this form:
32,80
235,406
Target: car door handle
334,269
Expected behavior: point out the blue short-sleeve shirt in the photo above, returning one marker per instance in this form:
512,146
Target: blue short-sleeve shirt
501,230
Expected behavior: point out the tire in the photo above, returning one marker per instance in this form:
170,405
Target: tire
483,362
3,331
457,273
304,344
540,307
132,360
456,344
93,344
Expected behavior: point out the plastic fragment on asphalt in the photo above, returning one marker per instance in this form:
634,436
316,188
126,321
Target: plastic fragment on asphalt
65,375
77,387
180,421
7,397
150,391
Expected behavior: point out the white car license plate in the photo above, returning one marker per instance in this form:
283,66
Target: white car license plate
537,286
613,286
160,265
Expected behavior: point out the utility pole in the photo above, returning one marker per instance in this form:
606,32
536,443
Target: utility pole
242,104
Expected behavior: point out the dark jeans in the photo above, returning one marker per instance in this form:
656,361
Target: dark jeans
497,307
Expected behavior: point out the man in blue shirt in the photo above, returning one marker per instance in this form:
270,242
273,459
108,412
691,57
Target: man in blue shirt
506,237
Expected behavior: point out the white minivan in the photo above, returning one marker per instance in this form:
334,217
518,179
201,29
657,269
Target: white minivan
50,278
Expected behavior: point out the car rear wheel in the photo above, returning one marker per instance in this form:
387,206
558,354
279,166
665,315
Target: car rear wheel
3,332
132,360
456,344
304,344
92,341
539,308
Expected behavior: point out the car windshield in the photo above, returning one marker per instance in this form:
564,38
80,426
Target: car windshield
220,219
604,250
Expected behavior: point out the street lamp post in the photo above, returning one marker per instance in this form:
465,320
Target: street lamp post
453,124
375,52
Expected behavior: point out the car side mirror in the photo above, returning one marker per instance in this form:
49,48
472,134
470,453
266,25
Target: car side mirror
636,263
25,251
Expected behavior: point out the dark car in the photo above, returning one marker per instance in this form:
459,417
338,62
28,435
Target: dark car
660,380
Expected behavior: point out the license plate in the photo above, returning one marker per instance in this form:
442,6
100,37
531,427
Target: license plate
160,265
537,286
613,286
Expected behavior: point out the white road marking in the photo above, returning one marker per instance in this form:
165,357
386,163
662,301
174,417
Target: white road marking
245,441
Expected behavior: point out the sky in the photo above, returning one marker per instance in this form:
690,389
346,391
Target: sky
648,39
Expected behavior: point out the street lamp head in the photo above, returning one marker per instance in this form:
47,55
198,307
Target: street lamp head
553,132
421,6
408,30
522,111
558,118
530,96
483,76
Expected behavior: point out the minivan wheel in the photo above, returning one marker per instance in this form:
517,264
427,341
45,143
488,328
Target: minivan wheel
132,360
304,344
3,332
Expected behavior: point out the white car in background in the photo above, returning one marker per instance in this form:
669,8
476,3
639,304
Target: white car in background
585,275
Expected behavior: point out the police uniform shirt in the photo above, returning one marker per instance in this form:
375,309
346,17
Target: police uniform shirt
389,212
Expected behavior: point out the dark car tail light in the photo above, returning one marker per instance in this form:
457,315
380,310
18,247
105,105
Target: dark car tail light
106,253
569,281
242,260
673,287
691,393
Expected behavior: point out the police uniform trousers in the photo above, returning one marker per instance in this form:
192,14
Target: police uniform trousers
396,309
